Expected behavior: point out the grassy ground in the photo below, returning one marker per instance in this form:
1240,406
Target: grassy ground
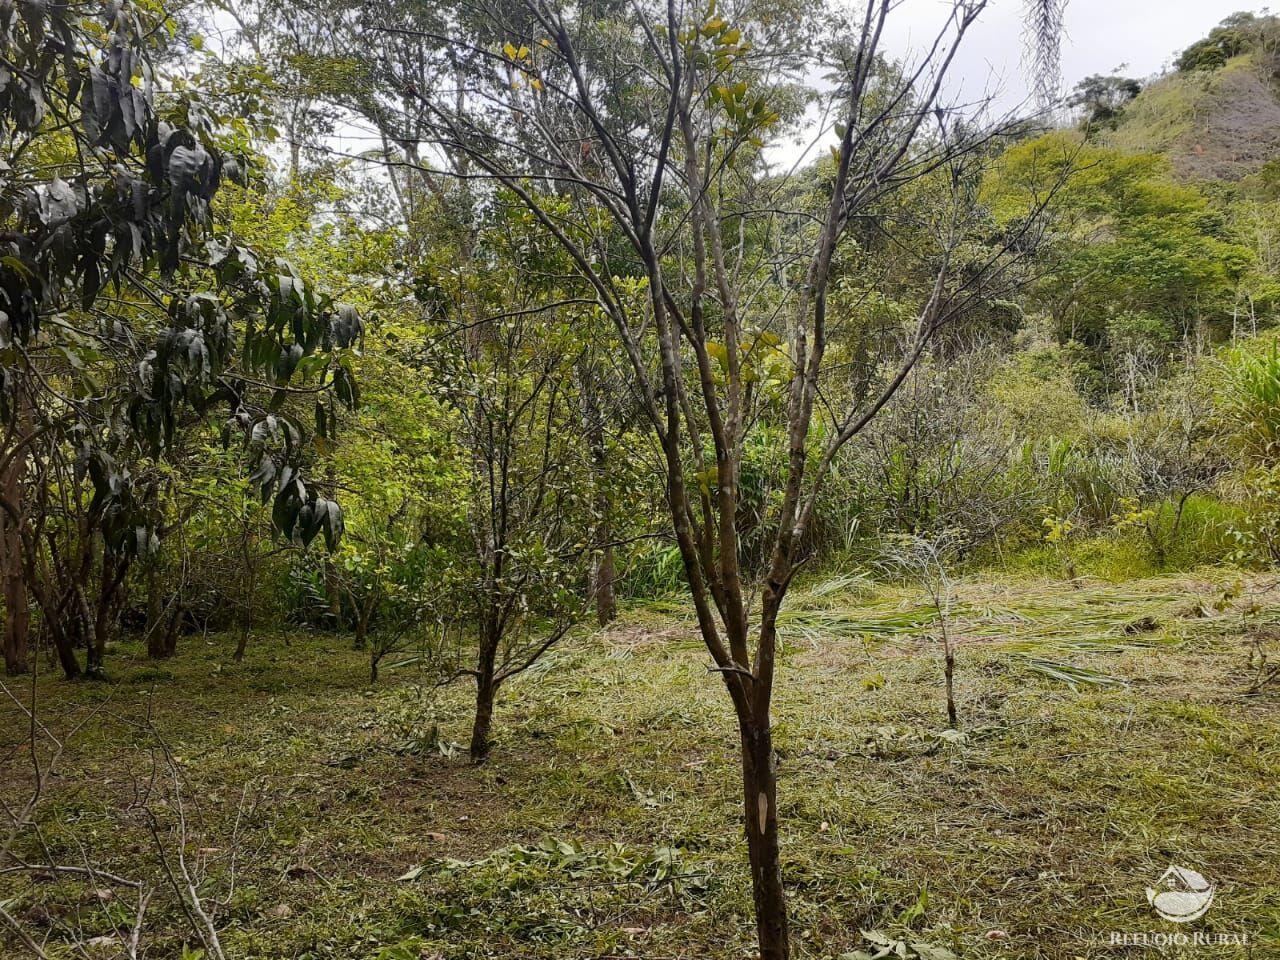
1107,732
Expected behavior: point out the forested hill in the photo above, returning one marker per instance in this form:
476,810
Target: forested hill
1216,115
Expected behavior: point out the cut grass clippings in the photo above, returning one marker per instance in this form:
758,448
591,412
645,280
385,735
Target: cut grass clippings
607,822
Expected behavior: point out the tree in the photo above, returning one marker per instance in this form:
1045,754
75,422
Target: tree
936,460
1237,34
926,561
124,321
1138,261
508,365
636,140
1103,98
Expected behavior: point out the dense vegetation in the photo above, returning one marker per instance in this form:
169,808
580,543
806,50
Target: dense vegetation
454,365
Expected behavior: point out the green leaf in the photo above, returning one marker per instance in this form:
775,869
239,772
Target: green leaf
926,951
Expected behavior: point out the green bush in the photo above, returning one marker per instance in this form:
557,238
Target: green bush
653,571
1252,399
1201,535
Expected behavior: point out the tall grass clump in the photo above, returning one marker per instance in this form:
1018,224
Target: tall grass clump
653,572
1253,403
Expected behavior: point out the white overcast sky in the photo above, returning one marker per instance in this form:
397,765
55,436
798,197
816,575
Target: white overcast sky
1136,38
1100,36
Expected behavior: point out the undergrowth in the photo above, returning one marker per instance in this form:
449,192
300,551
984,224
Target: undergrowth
1106,731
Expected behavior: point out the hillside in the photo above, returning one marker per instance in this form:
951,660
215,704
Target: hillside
1219,125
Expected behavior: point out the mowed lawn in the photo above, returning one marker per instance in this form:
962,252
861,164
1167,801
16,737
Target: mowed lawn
1107,731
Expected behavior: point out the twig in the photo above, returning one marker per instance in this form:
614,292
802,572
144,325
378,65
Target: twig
22,934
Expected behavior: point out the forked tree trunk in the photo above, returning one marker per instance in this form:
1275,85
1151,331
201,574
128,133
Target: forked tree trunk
57,621
163,642
113,573
162,639
66,655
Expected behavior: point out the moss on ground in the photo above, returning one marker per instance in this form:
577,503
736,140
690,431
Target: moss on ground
606,823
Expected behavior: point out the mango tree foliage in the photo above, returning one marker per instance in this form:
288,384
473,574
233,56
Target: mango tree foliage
126,317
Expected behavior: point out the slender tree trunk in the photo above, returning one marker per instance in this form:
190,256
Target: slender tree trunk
17,616
113,572
363,616
486,688
603,567
155,602
95,656
603,577
156,630
483,723
332,582
760,820
247,628
333,592
949,670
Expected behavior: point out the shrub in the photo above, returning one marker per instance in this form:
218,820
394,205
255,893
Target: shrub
1252,402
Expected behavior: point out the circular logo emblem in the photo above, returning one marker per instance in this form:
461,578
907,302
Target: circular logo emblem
1181,895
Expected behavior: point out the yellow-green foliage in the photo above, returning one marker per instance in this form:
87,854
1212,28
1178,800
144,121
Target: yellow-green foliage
1162,113
1136,256
1252,399
1037,393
